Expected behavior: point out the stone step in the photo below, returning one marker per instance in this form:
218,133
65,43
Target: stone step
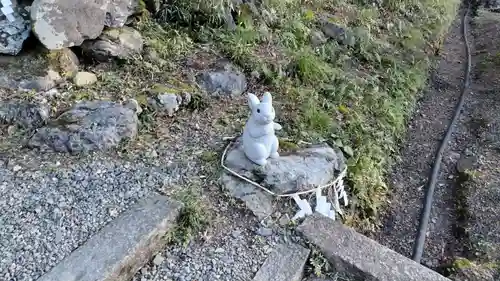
123,246
285,263
359,256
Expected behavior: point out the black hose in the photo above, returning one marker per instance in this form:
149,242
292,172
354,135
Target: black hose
418,246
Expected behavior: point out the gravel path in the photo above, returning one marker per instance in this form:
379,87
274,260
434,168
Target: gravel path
232,250
51,206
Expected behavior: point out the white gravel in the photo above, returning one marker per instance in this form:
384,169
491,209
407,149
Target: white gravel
51,204
233,256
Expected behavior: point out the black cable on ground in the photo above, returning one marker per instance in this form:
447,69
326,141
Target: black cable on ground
418,247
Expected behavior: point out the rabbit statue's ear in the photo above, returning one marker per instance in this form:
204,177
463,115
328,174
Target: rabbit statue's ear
267,97
253,100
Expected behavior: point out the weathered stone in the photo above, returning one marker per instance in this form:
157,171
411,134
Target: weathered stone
466,163
123,246
54,76
318,38
285,263
114,43
226,81
298,171
119,11
23,113
84,78
158,259
87,126
186,98
67,23
38,84
256,200
265,231
134,105
338,33
13,34
352,253
8,82
64,61
169,102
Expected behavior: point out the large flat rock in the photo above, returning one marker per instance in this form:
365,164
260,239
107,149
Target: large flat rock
365,259
122,247
87,126
285,263
300,170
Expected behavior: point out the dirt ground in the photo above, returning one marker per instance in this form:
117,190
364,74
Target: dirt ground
464,218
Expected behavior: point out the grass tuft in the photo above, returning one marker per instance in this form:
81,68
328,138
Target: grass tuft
193,219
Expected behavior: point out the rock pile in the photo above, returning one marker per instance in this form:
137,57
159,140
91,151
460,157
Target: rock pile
66,23
62,23
103,30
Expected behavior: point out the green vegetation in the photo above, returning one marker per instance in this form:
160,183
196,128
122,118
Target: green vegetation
477,270
462,263
357,88
193,219
318,264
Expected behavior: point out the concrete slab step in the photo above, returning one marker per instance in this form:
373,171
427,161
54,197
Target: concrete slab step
123,246
285,263
360,256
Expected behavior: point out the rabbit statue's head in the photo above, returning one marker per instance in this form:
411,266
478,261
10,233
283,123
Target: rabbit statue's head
262,112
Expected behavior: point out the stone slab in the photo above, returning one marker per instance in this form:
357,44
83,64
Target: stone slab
285,263
123,246
355,254
295,171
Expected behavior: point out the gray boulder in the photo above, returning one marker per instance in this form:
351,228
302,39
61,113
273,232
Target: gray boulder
87,126
23,113
41,83
225,81
13,34
114,43
338,33
64,61
318,38
67,23
167,99
293,172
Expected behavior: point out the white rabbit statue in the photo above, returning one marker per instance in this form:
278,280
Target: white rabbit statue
259,141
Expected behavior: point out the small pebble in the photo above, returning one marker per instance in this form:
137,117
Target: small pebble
158,259
264,231
236,234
